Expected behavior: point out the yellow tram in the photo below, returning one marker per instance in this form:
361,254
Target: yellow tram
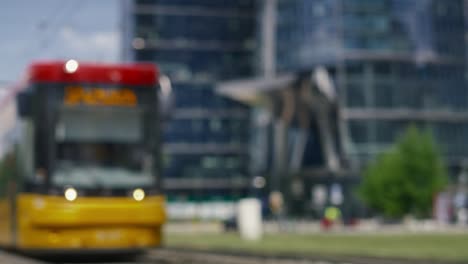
80,159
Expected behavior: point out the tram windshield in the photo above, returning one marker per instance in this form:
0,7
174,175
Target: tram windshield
102,148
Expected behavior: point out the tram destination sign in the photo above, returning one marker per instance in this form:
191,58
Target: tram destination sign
77,95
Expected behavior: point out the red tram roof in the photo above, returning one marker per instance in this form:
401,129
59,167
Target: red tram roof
127,74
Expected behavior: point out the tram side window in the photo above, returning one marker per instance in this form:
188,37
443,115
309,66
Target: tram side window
7,168
7,143
24,103
26,149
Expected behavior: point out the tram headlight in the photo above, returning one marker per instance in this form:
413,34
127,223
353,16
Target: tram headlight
138,194
71,66
71,194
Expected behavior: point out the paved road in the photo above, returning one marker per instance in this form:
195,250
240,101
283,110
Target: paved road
9,258
173,256
179,257
167,256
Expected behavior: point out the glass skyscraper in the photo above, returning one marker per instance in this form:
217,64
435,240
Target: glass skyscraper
197,43
395,63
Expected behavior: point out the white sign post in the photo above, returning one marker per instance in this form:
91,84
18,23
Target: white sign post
249,219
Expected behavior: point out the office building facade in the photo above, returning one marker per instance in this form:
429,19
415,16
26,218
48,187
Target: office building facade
198,43
346,78
391,64
394,62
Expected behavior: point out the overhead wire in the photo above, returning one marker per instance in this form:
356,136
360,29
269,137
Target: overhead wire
40,26
48,29
50,38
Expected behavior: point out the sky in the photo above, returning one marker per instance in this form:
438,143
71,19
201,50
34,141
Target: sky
56,29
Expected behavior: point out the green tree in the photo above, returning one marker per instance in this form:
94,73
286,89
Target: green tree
405,179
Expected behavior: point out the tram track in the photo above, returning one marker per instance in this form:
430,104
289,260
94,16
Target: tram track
189,256
182,256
